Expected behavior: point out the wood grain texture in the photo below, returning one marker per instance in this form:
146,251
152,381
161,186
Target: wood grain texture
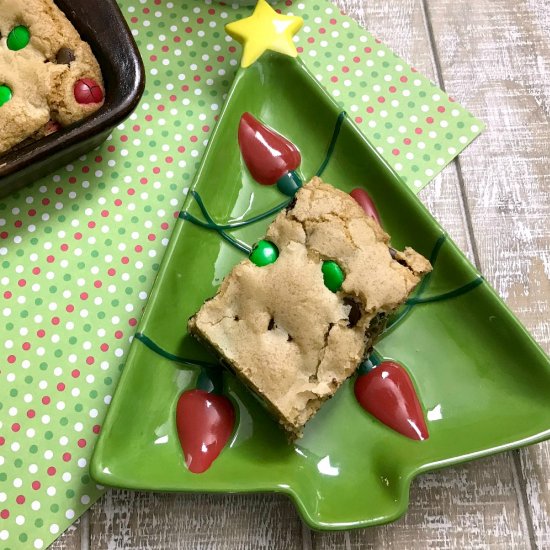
494,57
497,61
70,539
125,519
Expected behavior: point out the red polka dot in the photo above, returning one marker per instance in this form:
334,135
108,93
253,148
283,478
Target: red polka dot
41,333
7,295
132,322
311,40
118,202
66,457
194,139
75,373
441,109
395,152
20,499
407,141
11,358
83,295
21,282
381,99
15,427
82,443
96,428
299,49
90,360
345,69
70,308
111,271
404,79
78,235
104,213
418,131
60,386
36,485
36,270
31,413
55,320
322,30
104,347
392,89
2,440
26,346
429,120
4,514
46,400
370,109
50,259
65,247
367,50
151,236
51,471
125,260
118,334
334,79
358,119
97,284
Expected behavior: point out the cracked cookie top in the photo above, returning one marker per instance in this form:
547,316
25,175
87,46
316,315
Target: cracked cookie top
281,328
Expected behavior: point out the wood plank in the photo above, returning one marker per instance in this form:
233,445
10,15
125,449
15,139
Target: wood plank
502,71
70,539
463,507
124,519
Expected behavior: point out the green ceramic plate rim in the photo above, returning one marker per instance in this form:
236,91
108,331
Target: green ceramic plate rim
407,475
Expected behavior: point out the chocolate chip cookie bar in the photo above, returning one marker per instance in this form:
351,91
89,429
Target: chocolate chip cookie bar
49,77
297,318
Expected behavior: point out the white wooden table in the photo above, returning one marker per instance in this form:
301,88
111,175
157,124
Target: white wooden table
494,57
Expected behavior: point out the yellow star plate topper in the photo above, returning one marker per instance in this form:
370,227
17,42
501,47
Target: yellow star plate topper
265,30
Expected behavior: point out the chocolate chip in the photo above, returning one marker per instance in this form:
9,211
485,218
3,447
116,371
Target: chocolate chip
271,325
291,204
65,56
236,318
355,313
400,261
289,338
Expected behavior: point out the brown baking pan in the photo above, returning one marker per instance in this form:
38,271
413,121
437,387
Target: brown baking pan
102,25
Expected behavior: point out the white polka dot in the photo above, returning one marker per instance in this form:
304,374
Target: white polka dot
4,534
69,514
54,528
38,543
20,520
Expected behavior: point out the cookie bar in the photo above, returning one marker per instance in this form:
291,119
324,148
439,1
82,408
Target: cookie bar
293,330
49,77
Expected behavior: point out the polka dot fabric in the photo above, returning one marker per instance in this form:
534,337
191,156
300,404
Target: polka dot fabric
79,250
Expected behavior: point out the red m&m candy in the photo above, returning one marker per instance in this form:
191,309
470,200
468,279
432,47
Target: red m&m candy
87,90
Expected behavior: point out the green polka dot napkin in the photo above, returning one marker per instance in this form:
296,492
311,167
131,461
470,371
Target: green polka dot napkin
79,250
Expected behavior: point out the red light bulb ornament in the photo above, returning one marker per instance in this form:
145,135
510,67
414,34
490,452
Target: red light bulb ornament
385,390
270,157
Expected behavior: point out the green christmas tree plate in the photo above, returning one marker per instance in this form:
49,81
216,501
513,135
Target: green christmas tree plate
483,382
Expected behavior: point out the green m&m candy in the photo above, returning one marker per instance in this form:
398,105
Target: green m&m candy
18,38
333,276
5,94
264,253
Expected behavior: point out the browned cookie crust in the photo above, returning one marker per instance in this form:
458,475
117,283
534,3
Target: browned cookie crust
283,332
42,75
